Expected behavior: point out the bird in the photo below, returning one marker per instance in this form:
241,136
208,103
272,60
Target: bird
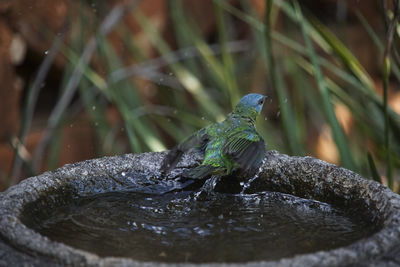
232,146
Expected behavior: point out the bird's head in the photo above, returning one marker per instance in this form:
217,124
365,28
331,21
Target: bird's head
250,105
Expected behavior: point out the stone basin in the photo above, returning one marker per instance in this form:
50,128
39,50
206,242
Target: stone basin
303,177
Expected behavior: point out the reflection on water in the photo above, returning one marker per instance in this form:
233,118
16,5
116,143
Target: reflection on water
176,228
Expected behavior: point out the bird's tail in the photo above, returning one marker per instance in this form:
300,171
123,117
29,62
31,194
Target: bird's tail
200,172
171,159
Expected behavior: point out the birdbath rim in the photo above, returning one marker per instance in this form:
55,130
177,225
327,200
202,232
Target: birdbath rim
306,177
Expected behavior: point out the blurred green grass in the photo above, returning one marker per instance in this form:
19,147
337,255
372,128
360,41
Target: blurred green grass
307,72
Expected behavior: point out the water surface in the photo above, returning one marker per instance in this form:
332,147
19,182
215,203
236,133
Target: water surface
176,228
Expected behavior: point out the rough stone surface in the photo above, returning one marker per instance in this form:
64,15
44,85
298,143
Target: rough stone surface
302,176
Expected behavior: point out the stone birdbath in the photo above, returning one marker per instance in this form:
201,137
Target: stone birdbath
120,211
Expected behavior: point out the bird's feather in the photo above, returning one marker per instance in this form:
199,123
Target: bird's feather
195,141
200,172
246,148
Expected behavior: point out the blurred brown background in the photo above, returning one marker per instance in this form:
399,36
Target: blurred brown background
25,38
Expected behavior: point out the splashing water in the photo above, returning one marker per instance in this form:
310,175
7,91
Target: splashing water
247,184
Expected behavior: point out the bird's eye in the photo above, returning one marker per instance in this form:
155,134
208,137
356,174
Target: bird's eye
261,101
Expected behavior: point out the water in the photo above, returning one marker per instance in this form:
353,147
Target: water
176,228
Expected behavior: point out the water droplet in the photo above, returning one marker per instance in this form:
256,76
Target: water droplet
200,231
123,173
46,52
134,226
166,243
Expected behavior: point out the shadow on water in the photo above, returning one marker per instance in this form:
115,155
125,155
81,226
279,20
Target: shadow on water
176,227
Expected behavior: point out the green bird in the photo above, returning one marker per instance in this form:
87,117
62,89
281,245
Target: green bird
232,146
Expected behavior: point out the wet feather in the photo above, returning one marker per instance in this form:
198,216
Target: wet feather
230,146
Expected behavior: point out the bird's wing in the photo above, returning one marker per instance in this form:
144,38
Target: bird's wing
199,172
246,148
197,140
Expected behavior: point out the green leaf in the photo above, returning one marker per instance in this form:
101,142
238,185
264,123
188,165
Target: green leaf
337,131
372,166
